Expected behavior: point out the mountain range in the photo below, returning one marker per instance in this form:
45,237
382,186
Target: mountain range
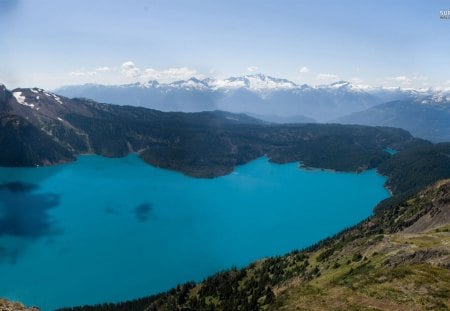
253,94
403,246
41,128
283,101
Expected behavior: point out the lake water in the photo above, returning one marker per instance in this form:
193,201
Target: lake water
103,229
390,151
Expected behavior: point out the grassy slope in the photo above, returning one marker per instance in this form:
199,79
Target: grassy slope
375,265
396,272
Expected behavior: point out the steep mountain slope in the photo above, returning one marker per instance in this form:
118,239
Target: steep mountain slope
42,128
32,131
254,94
426,118
398,259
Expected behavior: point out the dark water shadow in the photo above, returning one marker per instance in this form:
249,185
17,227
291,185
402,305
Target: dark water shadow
31,175
143,211
112,207
24,216
111,211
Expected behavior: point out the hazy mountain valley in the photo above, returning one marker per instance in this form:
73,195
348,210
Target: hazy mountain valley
283,101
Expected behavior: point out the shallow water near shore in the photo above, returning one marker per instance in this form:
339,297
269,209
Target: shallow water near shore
102,229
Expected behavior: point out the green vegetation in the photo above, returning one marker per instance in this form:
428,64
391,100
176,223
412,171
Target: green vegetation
208,144
413,169
23,145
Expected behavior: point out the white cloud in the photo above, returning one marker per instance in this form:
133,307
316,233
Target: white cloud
401,79
252,68
105,68
415,80
356,80
304,69
76,73
326,77
420,78
89,73
444,86
169,75
130,70
81,73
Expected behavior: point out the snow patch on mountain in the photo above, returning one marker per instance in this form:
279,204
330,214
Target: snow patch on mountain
231,83
57,98
256,82
22,99
192,83
437,99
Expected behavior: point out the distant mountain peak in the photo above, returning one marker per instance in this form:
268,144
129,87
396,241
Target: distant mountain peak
151,83
436,99
255,82
33,97
263,77
341,83
194,79
346,86
3,89
191,83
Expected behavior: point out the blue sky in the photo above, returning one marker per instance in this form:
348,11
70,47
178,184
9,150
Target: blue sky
49,43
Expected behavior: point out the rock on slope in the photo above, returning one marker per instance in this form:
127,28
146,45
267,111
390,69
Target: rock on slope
6,305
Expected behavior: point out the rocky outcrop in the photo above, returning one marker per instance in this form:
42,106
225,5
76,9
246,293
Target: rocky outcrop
6,305
437,213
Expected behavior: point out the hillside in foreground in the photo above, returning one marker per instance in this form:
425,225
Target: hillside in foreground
398,259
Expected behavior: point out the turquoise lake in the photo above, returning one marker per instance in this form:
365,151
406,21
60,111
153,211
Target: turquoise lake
102,229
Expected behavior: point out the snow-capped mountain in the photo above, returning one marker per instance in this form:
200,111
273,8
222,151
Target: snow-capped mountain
254,94
190,84
256,82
